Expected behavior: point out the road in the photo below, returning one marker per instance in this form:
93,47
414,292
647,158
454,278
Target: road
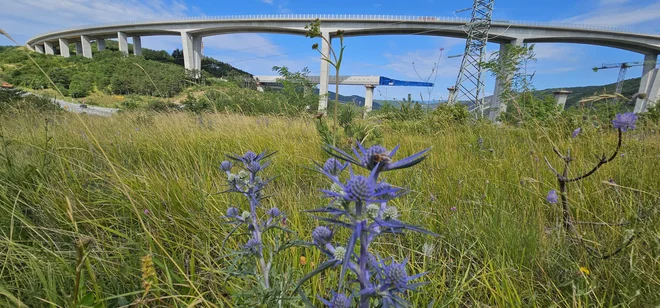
75,108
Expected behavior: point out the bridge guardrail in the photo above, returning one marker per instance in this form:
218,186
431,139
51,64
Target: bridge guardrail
393,18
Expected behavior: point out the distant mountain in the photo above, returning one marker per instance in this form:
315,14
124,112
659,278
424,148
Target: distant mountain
630,87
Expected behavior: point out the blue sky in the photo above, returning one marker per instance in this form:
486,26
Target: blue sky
558,65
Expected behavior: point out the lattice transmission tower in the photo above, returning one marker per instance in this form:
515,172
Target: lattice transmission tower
470,83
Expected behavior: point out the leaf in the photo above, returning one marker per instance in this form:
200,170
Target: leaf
333,221
11,297
349,252
322,267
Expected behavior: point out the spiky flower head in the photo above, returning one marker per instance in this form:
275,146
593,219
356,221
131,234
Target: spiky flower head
245,214
576,132
322,235
226,166
252,246
391,212
339,253
334,166
243,175
625,121
552,197
384,186
339,300
358,188
253,166
336,188
374,155
249,157
274,212
395,274
372,261
373,210
232,212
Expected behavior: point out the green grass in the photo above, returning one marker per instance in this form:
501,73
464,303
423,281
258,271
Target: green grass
66,177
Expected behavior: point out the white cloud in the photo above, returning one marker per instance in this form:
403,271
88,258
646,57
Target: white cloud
556,52
267,1
614,13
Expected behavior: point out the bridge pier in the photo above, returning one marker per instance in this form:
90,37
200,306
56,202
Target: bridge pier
100,44
561,96
86,46
369,98
79,51
123,42
64,48
137,45
49,49
197,55
649,84
192,52
324,75
39,48
502,81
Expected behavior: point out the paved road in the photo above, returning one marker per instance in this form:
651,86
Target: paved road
75,108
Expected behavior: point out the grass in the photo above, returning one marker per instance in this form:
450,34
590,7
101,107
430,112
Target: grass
89,197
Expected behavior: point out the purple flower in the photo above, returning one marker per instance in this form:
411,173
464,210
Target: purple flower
232,212
322,235
552,197
369,158
453,208
333,166
249,157
253,166
395,274
625,121
226,166
576,132
274,212
252,246
146,212
359,188
338,300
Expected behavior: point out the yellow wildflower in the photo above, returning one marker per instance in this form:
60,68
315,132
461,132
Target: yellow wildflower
303,260
584,270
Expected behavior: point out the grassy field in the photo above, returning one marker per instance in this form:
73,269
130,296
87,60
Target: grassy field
146,184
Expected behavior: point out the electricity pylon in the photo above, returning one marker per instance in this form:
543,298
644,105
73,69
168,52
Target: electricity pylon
470,83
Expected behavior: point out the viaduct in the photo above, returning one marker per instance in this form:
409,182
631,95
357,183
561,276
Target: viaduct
193,30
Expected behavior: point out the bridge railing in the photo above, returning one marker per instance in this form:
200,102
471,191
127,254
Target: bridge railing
357,17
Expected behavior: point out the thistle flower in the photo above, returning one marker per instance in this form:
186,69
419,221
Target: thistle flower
274,212
625,121
322,235
373,210
552,197
232,212
390,213
249,157
339,253
576,132
359,188
396,275
333,166
252,246
245,215
226,166
338,300
369,158
253,166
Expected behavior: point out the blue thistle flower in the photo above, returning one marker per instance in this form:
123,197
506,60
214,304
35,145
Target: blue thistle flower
253,166
625,121
232,212
552,197
359,188
252,246
376,155
396,275
249,157
322,235
576,132
226,166
338,300
274,212
333,166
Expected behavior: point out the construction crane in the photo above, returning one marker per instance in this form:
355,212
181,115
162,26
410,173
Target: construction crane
623,68
470,82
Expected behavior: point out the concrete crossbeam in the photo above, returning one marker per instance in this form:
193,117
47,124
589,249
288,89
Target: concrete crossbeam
48,48
325,72
497,106
100,44
137,46
64,48
79,49
86,43
123,42
647,83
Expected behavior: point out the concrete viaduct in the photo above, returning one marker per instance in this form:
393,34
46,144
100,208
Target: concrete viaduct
192,30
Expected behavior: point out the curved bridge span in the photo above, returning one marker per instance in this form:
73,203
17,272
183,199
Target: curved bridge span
193,30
